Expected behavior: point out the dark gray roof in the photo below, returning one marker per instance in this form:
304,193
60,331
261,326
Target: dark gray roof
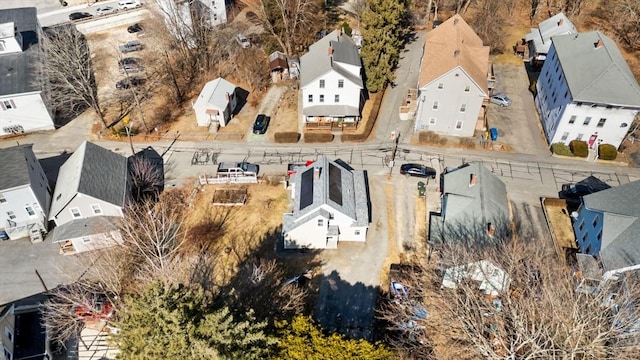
331,110
94,171
85,227
596,74
30,335
317,60
323,191
620,207
17,70
15,169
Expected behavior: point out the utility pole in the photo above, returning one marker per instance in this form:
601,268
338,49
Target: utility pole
395,137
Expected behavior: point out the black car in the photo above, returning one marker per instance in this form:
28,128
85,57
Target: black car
134,28
261,124
436,23
417,170
132,81
574,191
79,15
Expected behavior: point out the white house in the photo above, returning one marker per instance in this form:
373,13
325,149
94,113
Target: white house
216,103
25,195
539,40
330,204
92,190
455,80
179,16
586,91
607,227
331,82
23,106
491,279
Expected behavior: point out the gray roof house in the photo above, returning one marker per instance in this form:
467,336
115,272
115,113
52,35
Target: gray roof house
23,102
474,207
539,40
25,196
93,182
330,203
331,80
216,103
607,227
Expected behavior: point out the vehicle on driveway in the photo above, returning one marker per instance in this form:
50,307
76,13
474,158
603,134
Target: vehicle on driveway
417,170
106,10
130,65
79,16
575,191
134,28
130,46
261,124
129,4
236,169
500,99
132,81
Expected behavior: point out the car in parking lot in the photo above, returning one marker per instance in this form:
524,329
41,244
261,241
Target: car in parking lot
130,65
134,28
500,99
129,46
79,16
132,81
129,4
106,10
417,170
261,123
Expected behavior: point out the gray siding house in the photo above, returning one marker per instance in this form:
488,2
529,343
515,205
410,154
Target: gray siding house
91,193
24,195
474,207
330,204
539,39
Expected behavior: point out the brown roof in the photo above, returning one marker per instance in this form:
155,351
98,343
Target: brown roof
453,44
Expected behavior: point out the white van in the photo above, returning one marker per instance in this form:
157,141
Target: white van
129,4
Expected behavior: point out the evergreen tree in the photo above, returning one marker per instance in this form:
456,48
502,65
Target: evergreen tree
384,27
303,340
172,323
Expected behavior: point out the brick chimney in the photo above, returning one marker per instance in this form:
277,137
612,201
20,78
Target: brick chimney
455,21
456,53
316,172
330,50
560,22
598,44
473,179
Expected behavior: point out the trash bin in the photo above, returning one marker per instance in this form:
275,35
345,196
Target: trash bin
494,134
422,188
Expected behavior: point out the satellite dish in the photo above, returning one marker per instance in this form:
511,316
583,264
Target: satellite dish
574,214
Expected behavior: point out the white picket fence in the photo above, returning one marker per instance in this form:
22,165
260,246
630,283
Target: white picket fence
216,179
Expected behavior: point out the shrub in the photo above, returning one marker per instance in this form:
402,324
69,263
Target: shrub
467,143
431,138
346,28
318,137
286,137
579,148
607,152
532,87
561,149
370,121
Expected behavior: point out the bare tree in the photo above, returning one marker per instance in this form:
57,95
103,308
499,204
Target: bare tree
147,179
488,23
72,84
623,17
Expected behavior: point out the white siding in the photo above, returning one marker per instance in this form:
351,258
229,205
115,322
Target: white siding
557,107
17,200
28,113
450,98
308,235
349,94
10,44
96,241
83,203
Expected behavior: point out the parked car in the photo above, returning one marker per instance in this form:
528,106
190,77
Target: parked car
129,4
237,169
417,170
129,82
436,23
79,16
130,65
106,10
574,191
243,41
129,46
261,124
134,28
501,99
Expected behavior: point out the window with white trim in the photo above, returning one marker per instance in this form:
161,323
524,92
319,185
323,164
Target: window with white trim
458,124
7,354
432,121
97,210
321,98
601,122
572,119
75,212
435,105
564,136
321,84
2,198
579,137
86,239
11,215
463,107
310,98
587,120
8,104
30,210
467,88
340,84
440,86
356,232
8,334
320,222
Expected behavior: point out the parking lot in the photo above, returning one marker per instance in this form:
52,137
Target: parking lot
517,124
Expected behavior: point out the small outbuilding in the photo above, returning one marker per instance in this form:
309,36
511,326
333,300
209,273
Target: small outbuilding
216,104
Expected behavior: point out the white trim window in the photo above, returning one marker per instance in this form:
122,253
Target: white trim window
97,210
459,124
435,105
30,210
2,199
463,108
11,215
8,334
432,121
75,212
310,99
7,104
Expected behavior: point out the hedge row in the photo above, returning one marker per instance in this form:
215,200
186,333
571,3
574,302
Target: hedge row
373,115
319,137
286,137
607,152
561,149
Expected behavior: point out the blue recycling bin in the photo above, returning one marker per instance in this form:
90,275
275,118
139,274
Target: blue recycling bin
494,134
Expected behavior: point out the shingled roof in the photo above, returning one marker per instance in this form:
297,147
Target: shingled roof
18,69
335,51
